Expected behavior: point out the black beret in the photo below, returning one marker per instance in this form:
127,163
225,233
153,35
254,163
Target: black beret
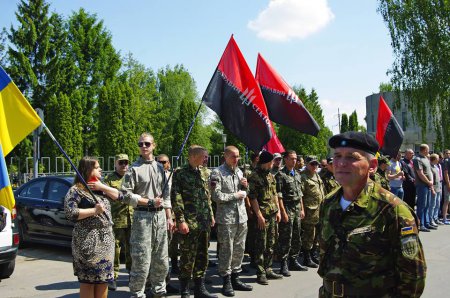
265,157
355,139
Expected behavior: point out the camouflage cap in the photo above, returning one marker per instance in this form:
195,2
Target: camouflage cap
122,156
383,159
311,159
276,155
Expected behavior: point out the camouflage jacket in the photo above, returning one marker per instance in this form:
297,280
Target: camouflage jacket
225,182
190,195
122,214
145,178
381,178
313,190
262,187
373,245
329,181
289,187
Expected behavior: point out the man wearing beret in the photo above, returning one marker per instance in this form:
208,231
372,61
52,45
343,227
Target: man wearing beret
122,215
264,201
369,242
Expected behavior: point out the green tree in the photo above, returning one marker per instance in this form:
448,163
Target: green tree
302,143
344,123
353,122
386,87
420,38
95,62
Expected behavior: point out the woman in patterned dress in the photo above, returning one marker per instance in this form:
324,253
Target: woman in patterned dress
93,239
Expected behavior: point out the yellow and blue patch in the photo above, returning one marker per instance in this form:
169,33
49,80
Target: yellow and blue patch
407,231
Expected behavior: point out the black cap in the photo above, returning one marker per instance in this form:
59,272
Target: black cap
355,139
265,157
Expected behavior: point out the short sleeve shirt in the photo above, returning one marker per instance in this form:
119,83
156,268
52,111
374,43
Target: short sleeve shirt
422,163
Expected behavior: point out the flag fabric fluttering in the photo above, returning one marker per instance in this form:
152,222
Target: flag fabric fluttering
389,133
282,103
6,193
236,98
17,118
274,145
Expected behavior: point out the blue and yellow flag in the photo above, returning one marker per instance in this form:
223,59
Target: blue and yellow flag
17,118
6,194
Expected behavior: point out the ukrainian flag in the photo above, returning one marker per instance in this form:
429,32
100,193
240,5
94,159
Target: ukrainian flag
17,118
6,194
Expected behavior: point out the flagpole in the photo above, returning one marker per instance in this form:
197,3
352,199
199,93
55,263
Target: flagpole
73,167
182,145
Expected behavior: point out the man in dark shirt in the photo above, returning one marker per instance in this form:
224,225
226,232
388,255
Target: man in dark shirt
408,184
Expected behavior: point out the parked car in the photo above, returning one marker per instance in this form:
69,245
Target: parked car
40,211
9,241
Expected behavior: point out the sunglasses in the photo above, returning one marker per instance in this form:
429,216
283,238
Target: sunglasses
123,162
163,161
147,144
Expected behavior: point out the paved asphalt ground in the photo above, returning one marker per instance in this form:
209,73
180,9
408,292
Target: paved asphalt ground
46,271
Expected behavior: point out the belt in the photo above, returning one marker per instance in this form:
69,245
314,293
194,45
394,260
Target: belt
148,209
337,289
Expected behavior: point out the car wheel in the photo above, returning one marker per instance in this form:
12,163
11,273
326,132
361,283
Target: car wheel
7,269
22,241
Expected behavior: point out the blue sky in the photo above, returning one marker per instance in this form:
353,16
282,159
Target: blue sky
341,48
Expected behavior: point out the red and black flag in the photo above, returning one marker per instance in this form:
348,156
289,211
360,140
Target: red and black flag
283,104
389,133
235,96
274,145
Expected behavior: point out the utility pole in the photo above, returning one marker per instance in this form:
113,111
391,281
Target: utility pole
339,119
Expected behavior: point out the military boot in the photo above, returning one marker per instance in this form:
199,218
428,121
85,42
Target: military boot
200,290
315,255
284,270
262,279
238,285
308,261
184,288
227,288
272,275
294,265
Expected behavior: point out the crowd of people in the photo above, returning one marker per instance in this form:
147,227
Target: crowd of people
305,213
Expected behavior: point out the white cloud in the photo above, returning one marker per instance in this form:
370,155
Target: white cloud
284,20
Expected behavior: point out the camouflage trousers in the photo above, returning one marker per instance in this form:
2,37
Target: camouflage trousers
194,253
265,244
122,236
289,240
149,252
231,238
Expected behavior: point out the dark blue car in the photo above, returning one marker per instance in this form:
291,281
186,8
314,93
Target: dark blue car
40,211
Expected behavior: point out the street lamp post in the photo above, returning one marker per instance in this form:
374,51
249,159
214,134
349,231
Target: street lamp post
224,141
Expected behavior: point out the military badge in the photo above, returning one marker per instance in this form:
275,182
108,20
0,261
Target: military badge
407,231
410,246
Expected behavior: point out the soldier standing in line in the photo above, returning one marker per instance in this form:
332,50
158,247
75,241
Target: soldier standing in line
300,165
252,223
313,195
229,190
369,242
143,189
193,212
277,158
264,201
122,215
380,176
289,186
327,176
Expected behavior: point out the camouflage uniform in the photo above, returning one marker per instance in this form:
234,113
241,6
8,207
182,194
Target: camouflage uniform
313,195
372,248
381,178
191,204
231,218
122,215
289,190
329,182
149,252
262,187
251,223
